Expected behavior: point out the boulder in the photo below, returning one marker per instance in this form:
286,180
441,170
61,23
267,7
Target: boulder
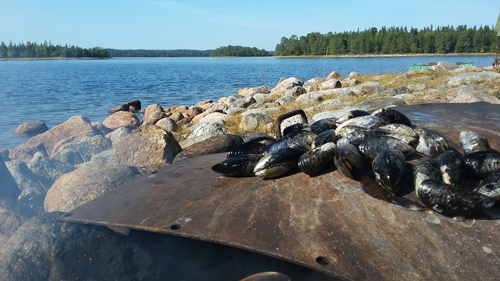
194,110
167,124
311,98
234,110
33,187
202,103
84,149
254,120
296,91
353,74
243,102
208,130
467,89
132,106
8,185
260,90
374,104
393,92
263,98
12,216
214,117
349,82
72,139
176,116
471,77
106,157
153,113
266,111
286,84
334,75
49,168
100,128
330,84
285,100
24,152
217,107
336,113
415,87
476,97
4,154
44,248
313,84
444,66
122,119
329,104
117,134
31,129
146,146
181,109
232,98
217,144
85,184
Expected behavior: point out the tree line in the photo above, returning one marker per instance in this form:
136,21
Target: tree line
159,53
393,40
47,50
239,51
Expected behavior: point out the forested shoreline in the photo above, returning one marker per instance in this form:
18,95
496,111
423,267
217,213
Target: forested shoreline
393,40
47,50
240,51
159,53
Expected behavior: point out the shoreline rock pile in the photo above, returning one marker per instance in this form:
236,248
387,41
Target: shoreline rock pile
73,163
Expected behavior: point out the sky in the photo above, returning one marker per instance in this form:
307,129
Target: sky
210,24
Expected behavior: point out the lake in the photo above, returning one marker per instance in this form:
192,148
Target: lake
54,90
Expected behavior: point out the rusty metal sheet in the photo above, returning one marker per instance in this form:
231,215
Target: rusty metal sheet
328,223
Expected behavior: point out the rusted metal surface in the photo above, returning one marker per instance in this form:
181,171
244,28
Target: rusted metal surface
329,223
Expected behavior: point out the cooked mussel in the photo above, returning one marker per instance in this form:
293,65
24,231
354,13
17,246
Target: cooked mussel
473,142
430,143
238,166
349,162
452,167
424,170
389,166
451,200
314,161
482,163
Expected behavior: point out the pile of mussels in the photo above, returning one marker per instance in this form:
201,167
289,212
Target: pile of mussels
383,141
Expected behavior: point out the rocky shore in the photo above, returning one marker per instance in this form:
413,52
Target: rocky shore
61,168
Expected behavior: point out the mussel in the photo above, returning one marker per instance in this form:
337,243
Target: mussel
323,137
238,166
424,170
278,163
368,122
314,161
393,115
373,145
451,165
252,146
491,186
473,142
302,135
323,125
355,137
389,166
349,162
290,144
399,131
430,143
295,128
451,200
482,163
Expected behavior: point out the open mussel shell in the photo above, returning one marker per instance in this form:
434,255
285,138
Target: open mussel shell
491,186
323,125
473,142
278,163
323,137
349,162
451,200
355,137
389,167
238,166
252,146
482,163
393,115
398,131
373,145
430,143
424,170
352,114
451,166
316,160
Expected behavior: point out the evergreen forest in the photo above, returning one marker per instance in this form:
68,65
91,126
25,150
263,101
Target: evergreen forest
47,50
159,53
393,40
239,51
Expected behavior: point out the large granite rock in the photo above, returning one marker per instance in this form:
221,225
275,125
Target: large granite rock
131,106
243,102
117,134
49,168
336,113
167,124
296,91
286,84
214,117
217,144
146,146
475,97
328,104
33,187
417,87
12,216
253,121
8,186
44,248
467,89
153,113
122,119
85,184
471,77
31,129
83,150
311,98
374,104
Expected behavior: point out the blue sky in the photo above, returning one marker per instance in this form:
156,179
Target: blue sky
201,25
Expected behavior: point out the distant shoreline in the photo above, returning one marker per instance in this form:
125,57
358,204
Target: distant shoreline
56,58
391,56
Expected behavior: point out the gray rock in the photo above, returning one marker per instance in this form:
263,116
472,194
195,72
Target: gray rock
334,74
353,74
296,91
262,98
313,84
234,110
330,84
44,248
285,100
208,130
231,99
467,89
85,184
417,87
84,149
8,185
471,77
167,124
107,157
266,111
405,96
50,168
393,92
374,104
349,82
475,97
132,106
12,216
215,117
254,120
311,98
286,84
33,187
444,66
31,129
117,134
243,102
328,104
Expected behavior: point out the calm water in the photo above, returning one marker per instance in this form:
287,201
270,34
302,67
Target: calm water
54,90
